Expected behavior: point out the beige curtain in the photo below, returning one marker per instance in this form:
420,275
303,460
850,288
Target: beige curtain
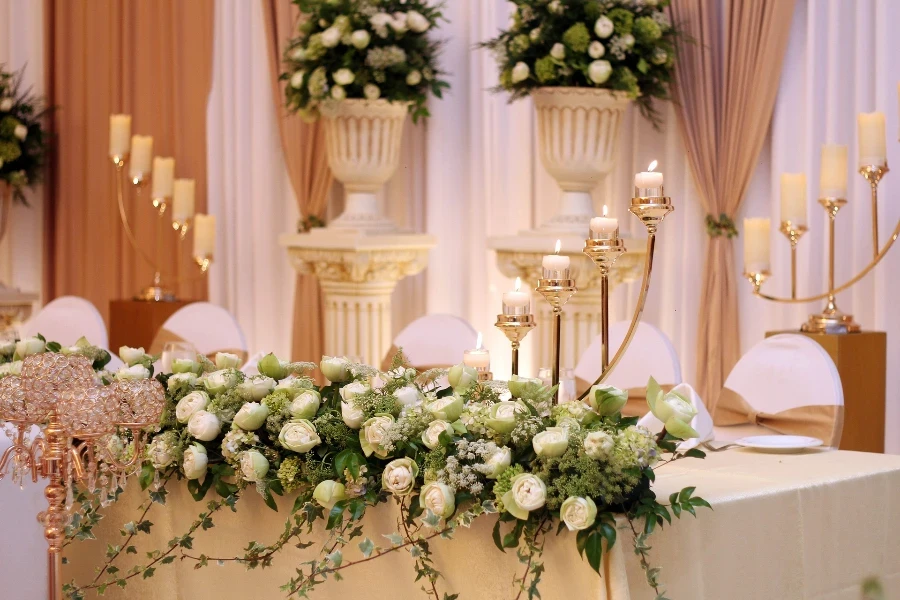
304,152
727,73
149,58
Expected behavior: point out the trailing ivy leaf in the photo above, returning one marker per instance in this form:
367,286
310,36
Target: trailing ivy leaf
496,536
594,550
394,538
336,515
146,478
366,547
357,508
695,453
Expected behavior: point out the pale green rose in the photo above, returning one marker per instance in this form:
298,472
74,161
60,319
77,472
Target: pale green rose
522,386
271,366
29,346
335,368
431,436
133,373
195,461
520,72
607,400
360,39
299,436
256,388
254,466
131,356
181,378
674,410
11,368
447,408
353,417
189,404
343,76
551,443
295,385
305,405
439,498
462,377
599,71
502,416
372,434
185,365
225,360
219,381
204,426
528,493
328,493
352,390
578,513
496,463
251,416
399,476
598,445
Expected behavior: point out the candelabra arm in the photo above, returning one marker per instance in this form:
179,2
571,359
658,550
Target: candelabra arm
636,318
120,196
136,457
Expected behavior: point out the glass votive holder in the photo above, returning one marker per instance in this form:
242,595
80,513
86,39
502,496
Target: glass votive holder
545,374
554,273
651,192
604,235
517,310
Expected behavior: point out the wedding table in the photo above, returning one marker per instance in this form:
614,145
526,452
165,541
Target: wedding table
811,526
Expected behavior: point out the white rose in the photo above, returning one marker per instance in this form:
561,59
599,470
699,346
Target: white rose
225,360
414,78
417,21
372,435
219,381
187,406
195,461
6,104
578,513
607,400
675,411
409,396
338,92
497,462
132,373
520,72
502,416
181,378
431,436
331,37
298,53
328,493
598,444
299,436
160,453
372,91
558,51
399,476
204,426
551,443
360,39
297,79
399,22
131,356
251,416
439,498
254,465
556,6
628,40
20,132
604,27
7,348
352,416
448,408
528,493
256,388
352,390
599,71
335,368
343,77
29,346
305,405
596,50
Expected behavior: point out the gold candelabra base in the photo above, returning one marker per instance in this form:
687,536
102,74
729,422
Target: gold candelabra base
515,328
831,320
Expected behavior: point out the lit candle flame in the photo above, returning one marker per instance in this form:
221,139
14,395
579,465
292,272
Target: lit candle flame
478,343
605,210
518,283
652,166
558,246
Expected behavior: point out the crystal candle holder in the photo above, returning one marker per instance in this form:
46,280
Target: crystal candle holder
513,310
650,192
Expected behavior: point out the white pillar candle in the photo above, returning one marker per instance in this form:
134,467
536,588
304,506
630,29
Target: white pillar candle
833,174
793,198
119,135
478,358
516,302
872,145
183,200
204,235
556,266
756,245
141,154
163,175
648,183
604,227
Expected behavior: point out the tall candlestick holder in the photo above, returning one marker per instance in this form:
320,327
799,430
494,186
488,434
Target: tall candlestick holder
556,287
651,206
873,174
793,232
515,328
58,393
604,249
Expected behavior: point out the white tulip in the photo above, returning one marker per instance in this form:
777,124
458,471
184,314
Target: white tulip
599,71
29,346
305,405
462,377
225,360
417,21
251,416
204,426
551,443
131,355
520,72
502,416
604,27
596,50
133,373
431,437
195,461
439,498
520,386
299,436
558,51
331,37
360,39
21,132
254,465
578,513
188,405
598,445
674,410
352,416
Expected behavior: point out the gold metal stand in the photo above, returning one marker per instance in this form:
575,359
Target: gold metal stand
557,292
793,234
604,252
515,328
873,174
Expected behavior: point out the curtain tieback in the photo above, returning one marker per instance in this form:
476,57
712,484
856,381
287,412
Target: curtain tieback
723,226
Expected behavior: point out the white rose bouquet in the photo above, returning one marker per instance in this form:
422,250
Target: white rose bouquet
364,49
23,142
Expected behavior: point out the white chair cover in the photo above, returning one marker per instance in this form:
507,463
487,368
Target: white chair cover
66,319
780,373
210,328
435,341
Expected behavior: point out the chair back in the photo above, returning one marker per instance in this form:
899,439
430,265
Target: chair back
787,383
66,319
210,328
434,341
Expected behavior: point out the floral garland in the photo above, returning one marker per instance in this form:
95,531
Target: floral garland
445,455
626,45
363,49
23,146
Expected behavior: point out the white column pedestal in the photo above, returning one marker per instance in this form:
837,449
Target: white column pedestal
358,273
15,307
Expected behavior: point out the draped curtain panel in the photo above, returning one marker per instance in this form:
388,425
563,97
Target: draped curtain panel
727,67
151,59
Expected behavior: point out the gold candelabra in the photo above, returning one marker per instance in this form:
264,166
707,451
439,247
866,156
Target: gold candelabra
831,319
557,287
516,321
80,419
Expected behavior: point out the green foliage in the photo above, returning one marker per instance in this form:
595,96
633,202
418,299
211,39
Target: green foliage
22,161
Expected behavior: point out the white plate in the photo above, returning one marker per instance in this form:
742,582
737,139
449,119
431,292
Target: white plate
779,443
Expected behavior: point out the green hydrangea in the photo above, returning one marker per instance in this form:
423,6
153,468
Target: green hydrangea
374,403
578,38
519,44
592,11
545,69
623,79
314,47
504,484
433,462
277,402
623,20
317,82
646,30
289,474
9,150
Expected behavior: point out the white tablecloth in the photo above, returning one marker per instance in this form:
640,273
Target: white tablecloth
810,526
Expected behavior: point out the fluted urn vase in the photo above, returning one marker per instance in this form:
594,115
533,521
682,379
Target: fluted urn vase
578,134
363,142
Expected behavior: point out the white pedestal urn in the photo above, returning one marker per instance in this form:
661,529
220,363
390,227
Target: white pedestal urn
15,305
578,134
363,141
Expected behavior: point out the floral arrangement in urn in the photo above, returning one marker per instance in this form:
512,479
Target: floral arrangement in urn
23,145
363,49
623,45
444,455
